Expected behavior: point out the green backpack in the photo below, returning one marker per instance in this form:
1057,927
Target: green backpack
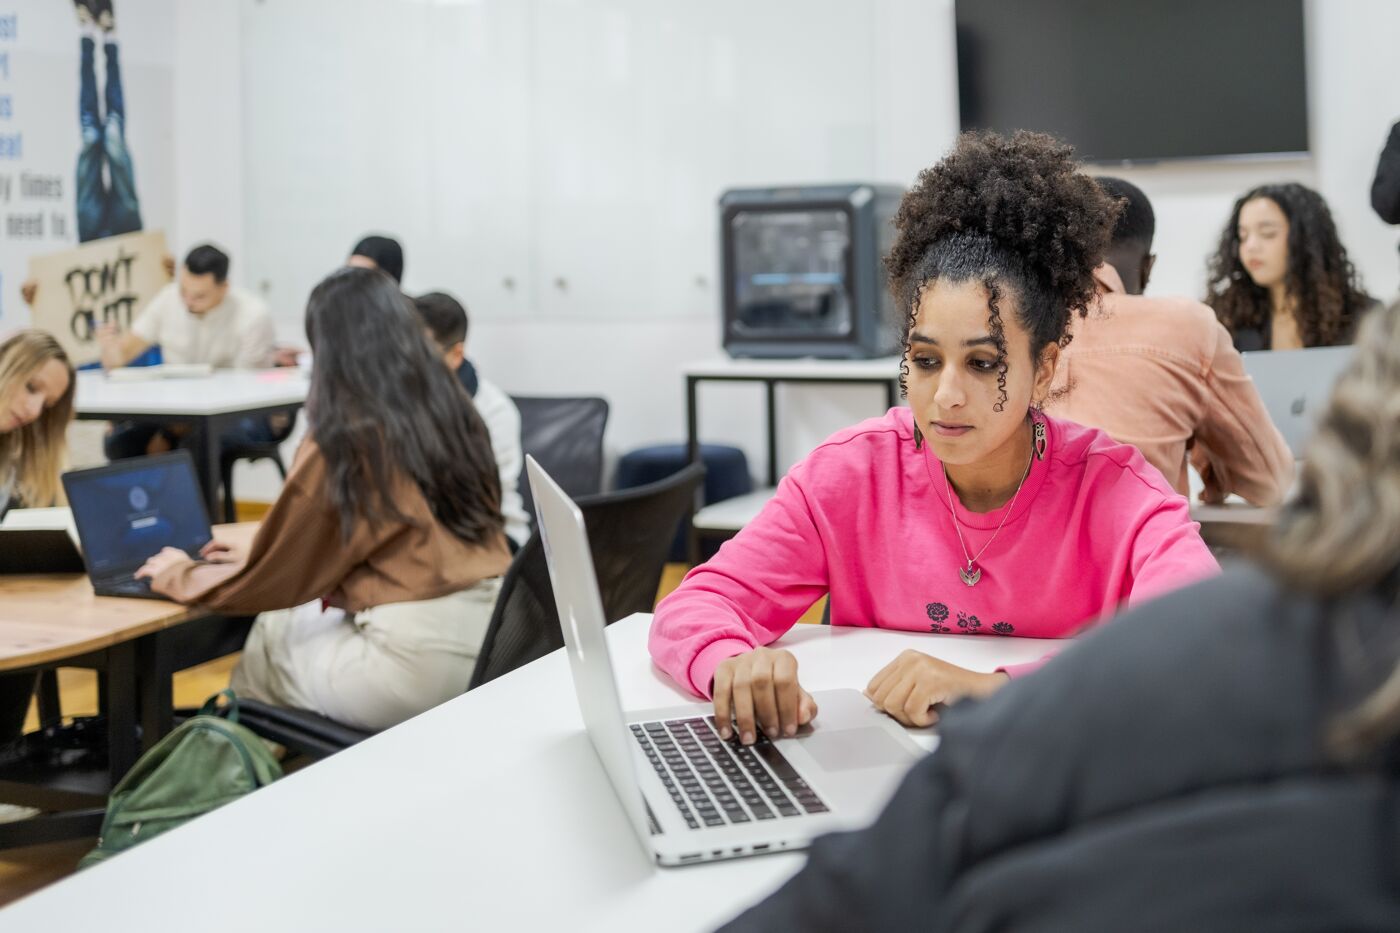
203,764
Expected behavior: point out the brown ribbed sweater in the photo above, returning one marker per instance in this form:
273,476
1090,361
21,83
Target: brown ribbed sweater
299,555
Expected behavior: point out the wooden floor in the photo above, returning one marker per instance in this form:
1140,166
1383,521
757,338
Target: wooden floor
25,870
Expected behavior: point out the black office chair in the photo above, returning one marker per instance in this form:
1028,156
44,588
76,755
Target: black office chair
629,533
566,436
269,450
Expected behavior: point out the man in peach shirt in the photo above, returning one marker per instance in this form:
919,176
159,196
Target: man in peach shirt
1163,375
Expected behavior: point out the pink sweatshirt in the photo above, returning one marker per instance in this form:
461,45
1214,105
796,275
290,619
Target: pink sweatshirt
865,517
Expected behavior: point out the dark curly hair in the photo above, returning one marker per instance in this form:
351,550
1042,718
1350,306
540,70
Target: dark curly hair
1320,277
1015,214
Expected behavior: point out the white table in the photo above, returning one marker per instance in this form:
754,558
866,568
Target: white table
490,812
211,404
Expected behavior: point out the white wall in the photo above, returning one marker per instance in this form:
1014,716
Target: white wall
419,153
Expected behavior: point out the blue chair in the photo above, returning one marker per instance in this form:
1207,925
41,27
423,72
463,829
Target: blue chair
726,476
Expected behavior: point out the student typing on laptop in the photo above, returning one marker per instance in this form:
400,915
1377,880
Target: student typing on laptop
377,568
36,407
970,512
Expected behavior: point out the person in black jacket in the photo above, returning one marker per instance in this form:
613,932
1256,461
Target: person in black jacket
1225,758
1385,189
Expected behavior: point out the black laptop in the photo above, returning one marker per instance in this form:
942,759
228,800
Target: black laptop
38,550
127,511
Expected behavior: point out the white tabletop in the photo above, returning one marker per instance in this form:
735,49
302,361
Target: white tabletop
222,392
834,370
490,812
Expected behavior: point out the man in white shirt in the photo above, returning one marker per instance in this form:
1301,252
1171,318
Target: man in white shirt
446,321
200,318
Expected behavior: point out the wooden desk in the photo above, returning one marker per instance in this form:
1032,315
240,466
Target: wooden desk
489,812
212,404
55,620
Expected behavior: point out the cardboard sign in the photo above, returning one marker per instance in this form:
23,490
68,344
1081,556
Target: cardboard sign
106,280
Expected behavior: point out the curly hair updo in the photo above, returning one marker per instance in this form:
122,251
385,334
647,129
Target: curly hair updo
1015,214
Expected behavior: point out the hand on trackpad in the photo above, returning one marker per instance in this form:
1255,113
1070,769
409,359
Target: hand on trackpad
853,749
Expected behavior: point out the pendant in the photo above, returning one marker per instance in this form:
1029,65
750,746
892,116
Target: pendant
970,576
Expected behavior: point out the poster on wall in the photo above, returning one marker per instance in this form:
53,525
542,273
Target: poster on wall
86,155
105,281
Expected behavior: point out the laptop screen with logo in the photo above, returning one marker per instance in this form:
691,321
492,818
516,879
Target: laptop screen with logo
128,511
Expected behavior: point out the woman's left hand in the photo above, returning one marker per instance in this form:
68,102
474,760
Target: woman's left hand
909,686
159,563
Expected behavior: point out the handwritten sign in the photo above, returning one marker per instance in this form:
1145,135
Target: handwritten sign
108,280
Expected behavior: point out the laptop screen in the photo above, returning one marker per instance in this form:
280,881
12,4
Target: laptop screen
127,511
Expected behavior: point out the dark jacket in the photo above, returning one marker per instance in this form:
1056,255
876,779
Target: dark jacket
1166,773
1385,189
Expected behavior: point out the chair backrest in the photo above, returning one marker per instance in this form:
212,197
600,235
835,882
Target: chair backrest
566,436
629,534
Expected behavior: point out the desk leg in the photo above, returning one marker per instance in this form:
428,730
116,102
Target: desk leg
206,450
157,702
119,699
692,439
770,388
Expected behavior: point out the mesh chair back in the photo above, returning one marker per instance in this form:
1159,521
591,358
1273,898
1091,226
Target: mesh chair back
566,436
629,534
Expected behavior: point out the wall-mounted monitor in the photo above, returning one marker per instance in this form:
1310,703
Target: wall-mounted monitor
1138,80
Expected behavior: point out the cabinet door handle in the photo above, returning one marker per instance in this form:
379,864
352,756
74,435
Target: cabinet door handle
561,283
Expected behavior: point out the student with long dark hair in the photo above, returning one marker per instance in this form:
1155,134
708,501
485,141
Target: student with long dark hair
1222,759
378,566
1280,278
970,512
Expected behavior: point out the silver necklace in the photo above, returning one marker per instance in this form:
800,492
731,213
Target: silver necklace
971,574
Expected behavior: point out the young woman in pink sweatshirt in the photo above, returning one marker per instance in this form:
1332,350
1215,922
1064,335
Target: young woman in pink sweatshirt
969,512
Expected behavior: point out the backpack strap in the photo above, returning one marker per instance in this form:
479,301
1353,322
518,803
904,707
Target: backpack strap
211,705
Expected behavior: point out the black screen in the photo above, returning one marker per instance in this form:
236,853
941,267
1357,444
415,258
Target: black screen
127,514
1139,80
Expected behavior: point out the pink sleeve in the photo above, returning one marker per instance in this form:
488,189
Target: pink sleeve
747,595
1167,553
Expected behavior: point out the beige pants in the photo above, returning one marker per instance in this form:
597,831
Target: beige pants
371,670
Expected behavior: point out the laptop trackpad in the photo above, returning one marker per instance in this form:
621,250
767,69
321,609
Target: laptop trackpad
852,749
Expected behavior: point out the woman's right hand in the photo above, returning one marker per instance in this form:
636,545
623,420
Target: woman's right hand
760,687
221,552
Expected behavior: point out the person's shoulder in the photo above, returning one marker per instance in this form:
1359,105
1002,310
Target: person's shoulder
166,298
1090,457
893,428
491,397
871,448
250,305
1171,324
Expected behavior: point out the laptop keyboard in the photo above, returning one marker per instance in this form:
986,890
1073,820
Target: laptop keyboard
716,783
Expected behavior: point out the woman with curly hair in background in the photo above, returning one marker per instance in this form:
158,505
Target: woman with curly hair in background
970,511
1281,279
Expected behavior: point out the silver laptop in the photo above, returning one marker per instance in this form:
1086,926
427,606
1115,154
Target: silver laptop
692,797
1295,386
